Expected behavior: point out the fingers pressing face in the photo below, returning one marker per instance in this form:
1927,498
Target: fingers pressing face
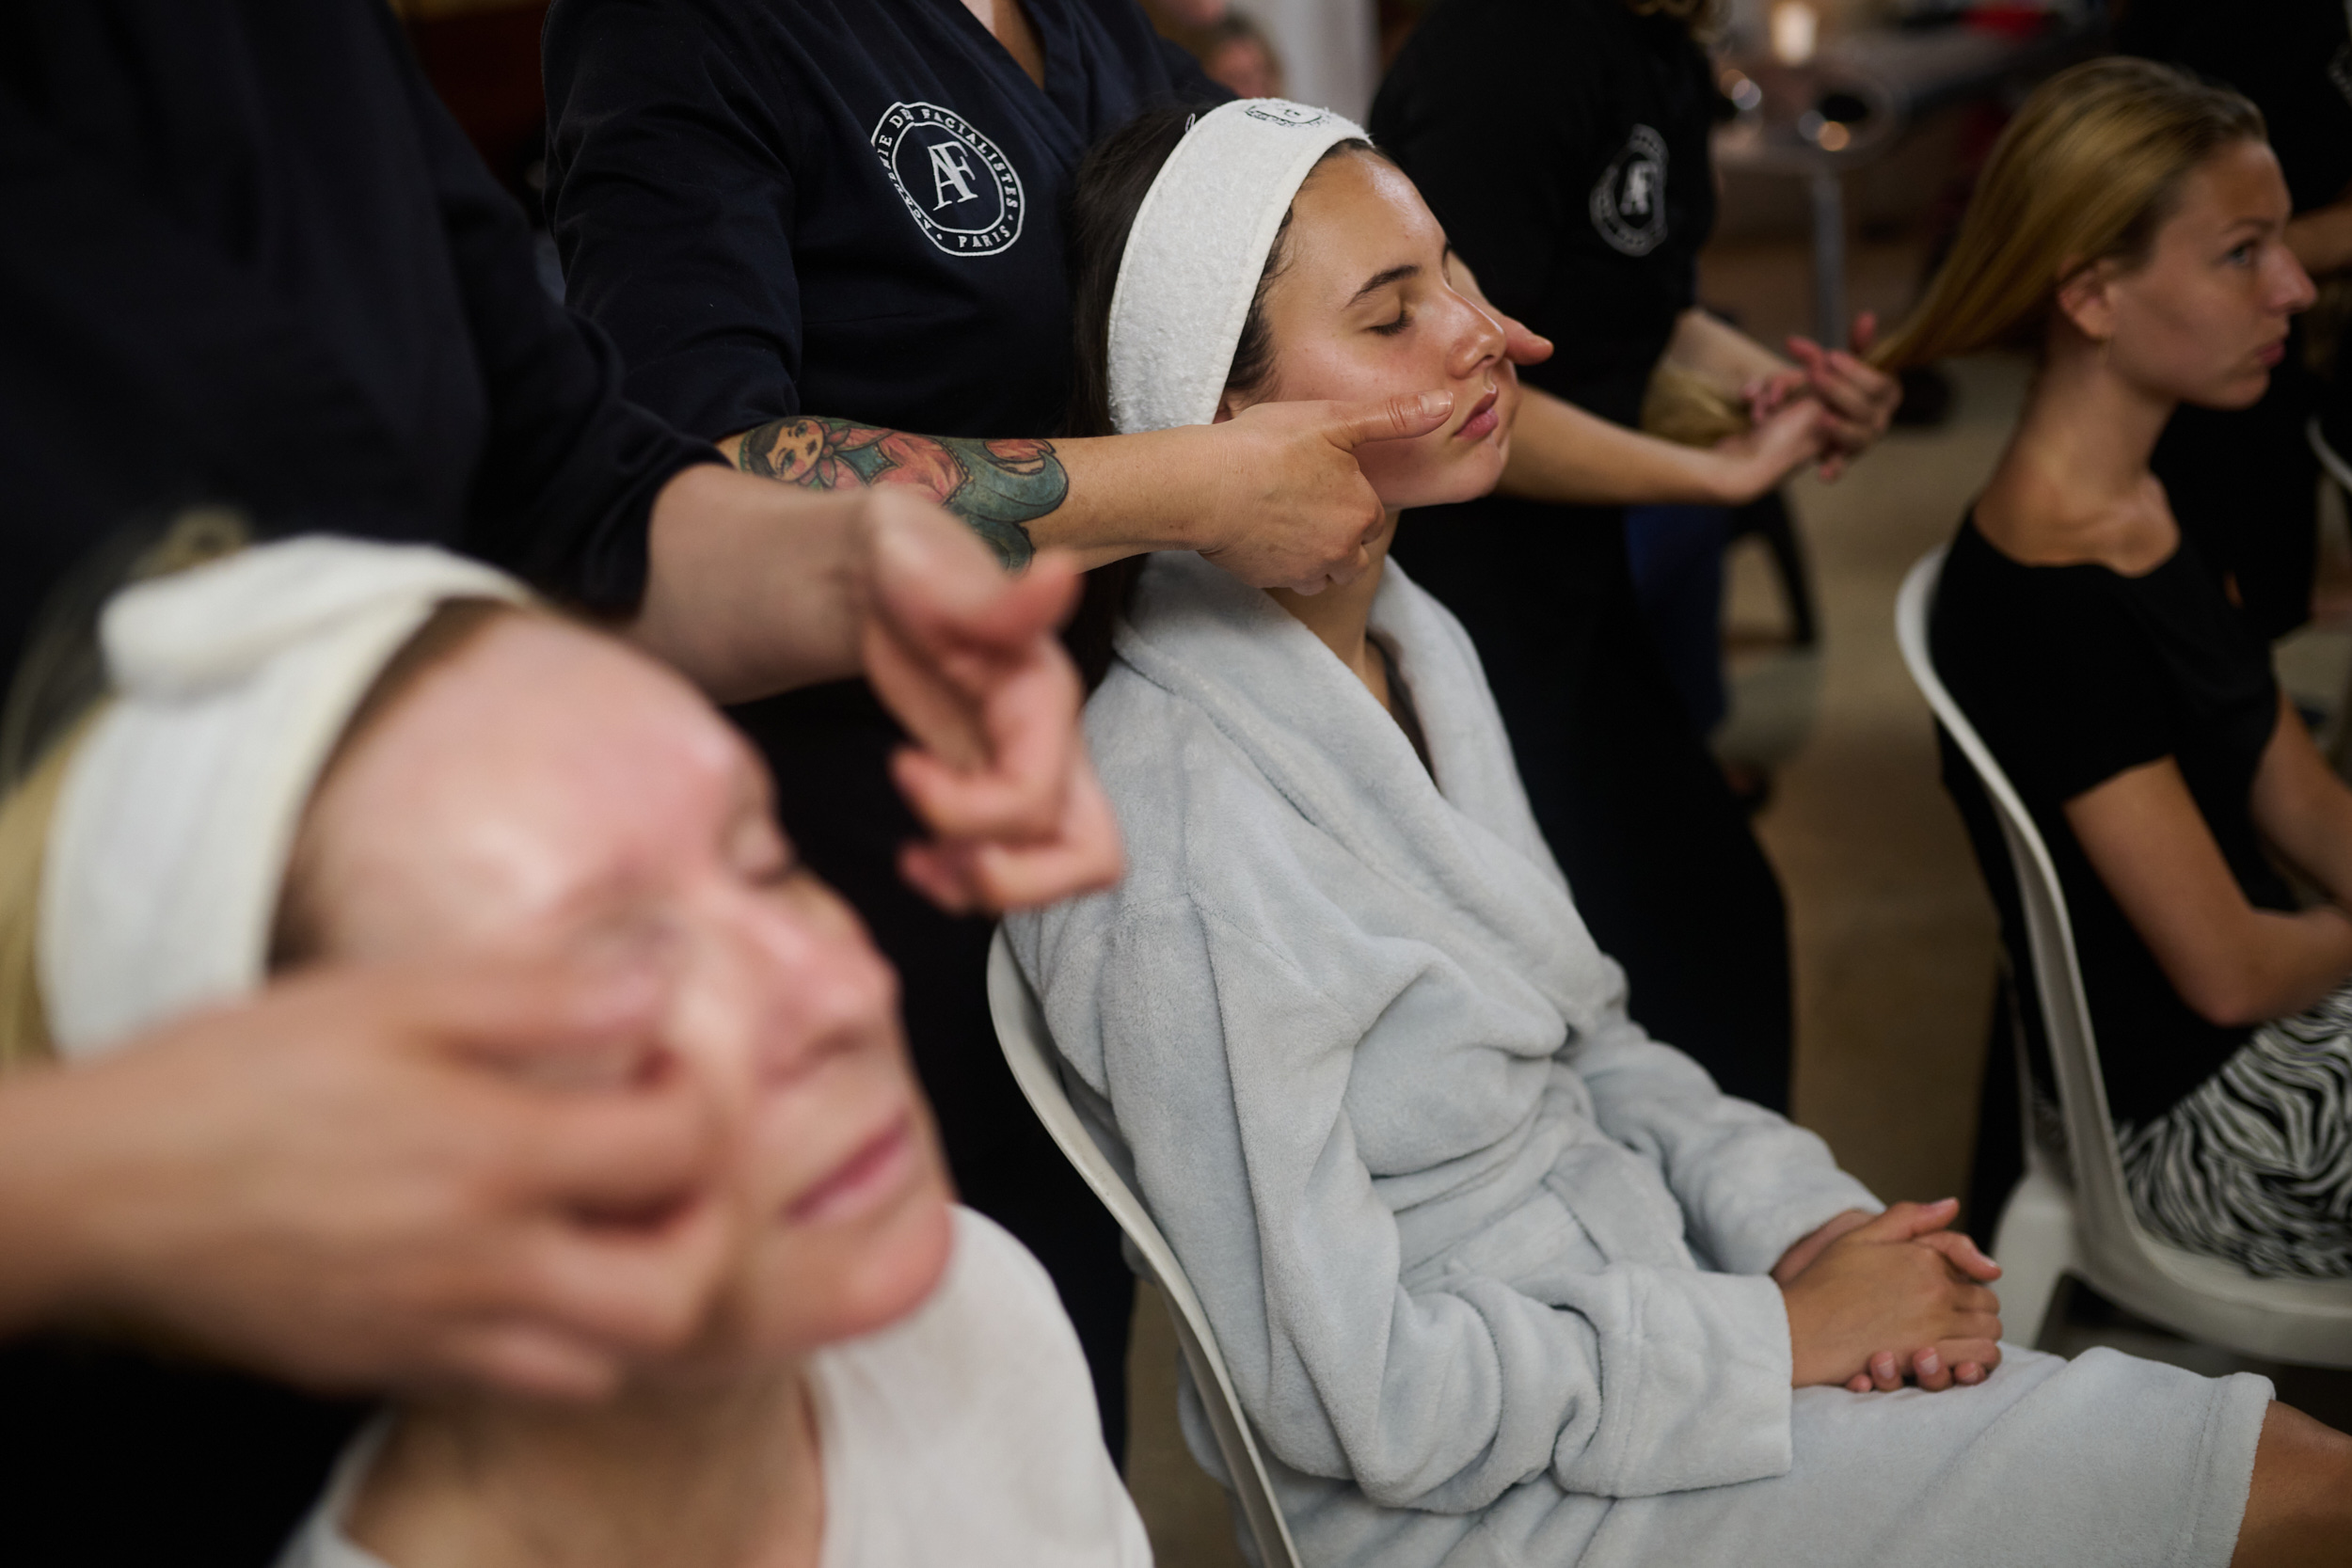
1364,308
546,790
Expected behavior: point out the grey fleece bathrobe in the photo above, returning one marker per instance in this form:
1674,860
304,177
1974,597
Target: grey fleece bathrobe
1486,1261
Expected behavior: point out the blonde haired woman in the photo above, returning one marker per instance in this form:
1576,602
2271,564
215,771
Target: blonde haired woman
2130,229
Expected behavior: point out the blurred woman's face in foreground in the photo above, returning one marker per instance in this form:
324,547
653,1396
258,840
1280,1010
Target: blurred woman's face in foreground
543,789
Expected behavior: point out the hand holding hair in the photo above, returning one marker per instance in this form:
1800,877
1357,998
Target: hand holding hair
1859,398
1758,459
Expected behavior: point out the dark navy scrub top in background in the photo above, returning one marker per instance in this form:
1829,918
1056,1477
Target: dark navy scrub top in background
246,257
249,259
849,208
1563,145
855,207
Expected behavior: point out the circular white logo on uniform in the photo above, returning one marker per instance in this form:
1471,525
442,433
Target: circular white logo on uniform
962,192
1629,200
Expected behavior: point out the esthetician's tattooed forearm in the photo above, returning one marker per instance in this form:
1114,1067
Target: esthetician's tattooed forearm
999,487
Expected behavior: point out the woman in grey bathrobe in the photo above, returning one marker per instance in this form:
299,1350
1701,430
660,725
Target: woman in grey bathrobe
1500,1279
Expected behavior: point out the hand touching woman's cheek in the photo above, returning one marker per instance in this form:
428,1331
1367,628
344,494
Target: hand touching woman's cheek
1363,308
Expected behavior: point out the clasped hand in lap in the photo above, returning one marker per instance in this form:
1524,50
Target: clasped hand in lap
1876,1300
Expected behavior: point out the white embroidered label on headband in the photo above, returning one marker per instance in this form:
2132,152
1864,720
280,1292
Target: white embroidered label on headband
961,192
1275,112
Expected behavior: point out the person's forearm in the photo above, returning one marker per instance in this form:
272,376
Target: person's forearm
1101,498
751,589
754,588
2322,239
2318,840
1719,351
2286,962
1562,454
2302,808
40,1124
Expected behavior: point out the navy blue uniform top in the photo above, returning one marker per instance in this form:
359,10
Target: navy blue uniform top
1563,145
850,208
251,259
855,209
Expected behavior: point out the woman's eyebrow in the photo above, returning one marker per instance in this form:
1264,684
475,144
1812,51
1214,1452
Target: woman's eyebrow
1380,280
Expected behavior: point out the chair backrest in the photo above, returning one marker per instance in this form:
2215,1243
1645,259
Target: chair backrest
2293,1319
1029,1051
2098,1170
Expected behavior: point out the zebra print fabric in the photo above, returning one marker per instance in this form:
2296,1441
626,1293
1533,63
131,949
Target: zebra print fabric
2255,1165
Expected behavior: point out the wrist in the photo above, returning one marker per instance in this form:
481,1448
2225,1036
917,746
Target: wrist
1197,492
43,1144
1130,495
1720,479
1803,1371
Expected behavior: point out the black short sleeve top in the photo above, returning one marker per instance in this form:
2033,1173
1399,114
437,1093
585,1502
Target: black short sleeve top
2073,674
841,207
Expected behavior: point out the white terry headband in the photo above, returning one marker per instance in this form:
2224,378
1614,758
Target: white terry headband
233,682
1197,251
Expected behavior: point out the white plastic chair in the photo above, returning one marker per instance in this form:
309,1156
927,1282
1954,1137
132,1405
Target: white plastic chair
1029,1052
2051,1227
2334,462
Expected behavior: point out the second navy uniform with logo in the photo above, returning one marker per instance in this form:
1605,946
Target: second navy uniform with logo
1563,145
853,209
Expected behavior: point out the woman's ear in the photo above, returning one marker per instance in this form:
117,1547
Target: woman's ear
2086,299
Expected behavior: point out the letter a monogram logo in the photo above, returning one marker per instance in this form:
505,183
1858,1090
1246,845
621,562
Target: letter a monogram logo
1628,201
951,174
961,192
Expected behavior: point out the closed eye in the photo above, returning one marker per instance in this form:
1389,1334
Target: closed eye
1390,330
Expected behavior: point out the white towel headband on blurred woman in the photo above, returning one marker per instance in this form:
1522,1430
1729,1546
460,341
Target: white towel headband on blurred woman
1197,250
232,682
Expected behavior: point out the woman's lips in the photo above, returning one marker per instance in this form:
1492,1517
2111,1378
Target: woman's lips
1483,418
872,1173
2273,353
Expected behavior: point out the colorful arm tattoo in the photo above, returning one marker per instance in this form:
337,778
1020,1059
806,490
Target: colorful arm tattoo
998,487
